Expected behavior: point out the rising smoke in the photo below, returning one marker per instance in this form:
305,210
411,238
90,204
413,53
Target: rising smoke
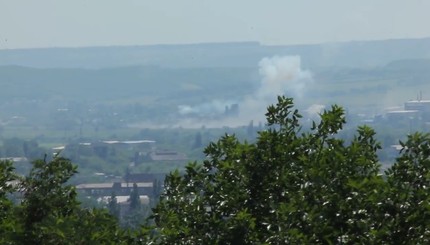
205,109
280,75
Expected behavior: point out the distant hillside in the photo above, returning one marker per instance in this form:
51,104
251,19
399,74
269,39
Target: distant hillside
124,83
162,87
410,65
246,54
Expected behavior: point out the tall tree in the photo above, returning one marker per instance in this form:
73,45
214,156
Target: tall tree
404,213
50,212
288,187
113,207
134,198
45,192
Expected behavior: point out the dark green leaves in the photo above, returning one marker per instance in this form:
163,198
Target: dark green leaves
289,187
286,188
299,188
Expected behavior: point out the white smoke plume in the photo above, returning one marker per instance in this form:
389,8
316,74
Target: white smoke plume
314,110
281,75
215,107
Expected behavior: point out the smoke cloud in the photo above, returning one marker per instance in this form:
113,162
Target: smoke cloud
215,107
314,110
280,75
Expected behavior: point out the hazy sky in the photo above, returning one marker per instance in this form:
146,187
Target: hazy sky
61,23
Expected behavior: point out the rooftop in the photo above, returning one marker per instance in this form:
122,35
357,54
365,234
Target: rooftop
110,185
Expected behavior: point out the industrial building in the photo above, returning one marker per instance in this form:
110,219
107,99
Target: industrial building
415,111
422,106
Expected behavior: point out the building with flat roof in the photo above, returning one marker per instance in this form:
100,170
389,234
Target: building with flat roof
422,106
119,188
167,156
402,115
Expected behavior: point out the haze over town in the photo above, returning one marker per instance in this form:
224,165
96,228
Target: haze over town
130,91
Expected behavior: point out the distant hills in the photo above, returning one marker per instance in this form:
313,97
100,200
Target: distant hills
126,85
241,54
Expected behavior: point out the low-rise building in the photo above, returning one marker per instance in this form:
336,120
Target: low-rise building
119,188
167,156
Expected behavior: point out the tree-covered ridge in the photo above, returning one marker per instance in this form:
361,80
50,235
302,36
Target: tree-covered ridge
292,186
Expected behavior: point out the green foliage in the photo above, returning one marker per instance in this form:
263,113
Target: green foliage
45,192
7,222
406,208
291,186
298,187
49,212
137,213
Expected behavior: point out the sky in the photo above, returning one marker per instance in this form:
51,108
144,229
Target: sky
77,23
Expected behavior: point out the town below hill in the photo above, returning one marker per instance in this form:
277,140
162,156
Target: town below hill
148,110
